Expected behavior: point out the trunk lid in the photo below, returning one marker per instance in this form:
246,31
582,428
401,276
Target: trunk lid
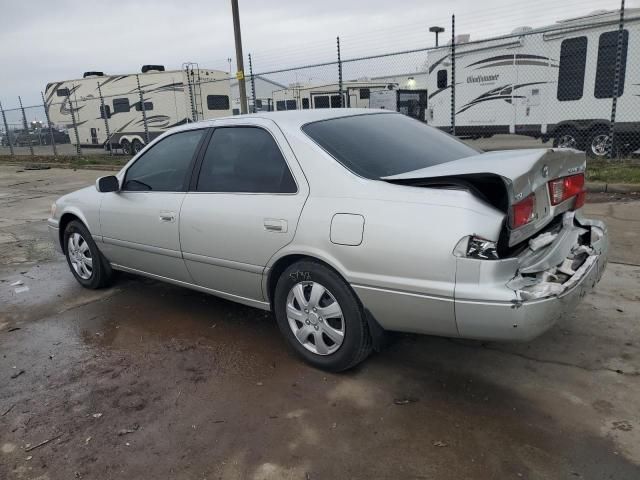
521,172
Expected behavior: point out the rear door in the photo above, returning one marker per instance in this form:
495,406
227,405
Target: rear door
140,222
241,209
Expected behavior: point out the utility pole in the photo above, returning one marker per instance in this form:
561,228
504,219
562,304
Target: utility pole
239,58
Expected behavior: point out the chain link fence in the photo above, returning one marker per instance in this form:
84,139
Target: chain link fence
574,84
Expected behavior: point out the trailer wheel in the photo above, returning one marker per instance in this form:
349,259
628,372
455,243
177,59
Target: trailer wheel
126,146
599,143
136,146
566,139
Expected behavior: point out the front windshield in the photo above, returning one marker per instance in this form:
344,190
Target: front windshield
385,144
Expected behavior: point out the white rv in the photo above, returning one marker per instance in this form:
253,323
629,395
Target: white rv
355,94
171,98
554,83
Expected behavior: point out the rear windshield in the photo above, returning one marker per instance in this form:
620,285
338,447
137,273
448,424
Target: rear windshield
380,145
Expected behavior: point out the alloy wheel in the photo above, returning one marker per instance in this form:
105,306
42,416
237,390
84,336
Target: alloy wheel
567,141
80,256
315,318
601,145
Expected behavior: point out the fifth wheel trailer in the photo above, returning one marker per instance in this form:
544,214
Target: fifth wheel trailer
555,82
170,98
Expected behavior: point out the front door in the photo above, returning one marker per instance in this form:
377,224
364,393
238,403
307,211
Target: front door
244,207
140,223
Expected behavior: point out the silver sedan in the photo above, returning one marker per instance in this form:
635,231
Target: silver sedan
345,224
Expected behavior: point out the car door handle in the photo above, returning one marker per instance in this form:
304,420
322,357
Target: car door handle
168,217
275,225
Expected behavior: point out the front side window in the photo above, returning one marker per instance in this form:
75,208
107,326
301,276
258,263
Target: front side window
164,167
385,144
606,69
217,102
121,105
244,159
573,60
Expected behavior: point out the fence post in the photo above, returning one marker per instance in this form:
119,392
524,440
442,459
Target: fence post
253,84
73,119
46,114
453,74
144,112
616,85
339,72
103,112
26,126
6,129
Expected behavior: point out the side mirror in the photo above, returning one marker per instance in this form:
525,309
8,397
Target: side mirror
107,184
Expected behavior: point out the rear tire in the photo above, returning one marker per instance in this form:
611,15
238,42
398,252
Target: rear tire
598,144
85,261
136,146
126,147
321,317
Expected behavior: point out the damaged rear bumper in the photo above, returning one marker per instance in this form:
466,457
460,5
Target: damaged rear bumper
520,298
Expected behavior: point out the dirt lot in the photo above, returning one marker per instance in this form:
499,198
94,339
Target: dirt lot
148,380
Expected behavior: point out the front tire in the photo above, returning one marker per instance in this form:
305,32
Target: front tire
598,144
321,317
85,261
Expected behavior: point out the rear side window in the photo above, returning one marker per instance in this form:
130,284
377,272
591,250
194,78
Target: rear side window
606,69
164,167
121,105
442,79
244,159
385,144
217,102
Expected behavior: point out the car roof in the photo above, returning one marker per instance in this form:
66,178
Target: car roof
298,118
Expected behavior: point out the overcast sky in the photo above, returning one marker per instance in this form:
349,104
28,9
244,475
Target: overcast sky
43,41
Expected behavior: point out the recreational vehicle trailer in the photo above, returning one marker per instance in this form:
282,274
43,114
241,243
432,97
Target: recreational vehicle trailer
555,82
171,98
355,94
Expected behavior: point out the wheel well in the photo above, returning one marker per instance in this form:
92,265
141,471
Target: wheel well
282,264
64,221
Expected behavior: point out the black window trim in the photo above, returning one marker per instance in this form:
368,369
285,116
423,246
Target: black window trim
190,168
193,184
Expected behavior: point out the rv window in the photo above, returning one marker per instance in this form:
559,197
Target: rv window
165,166
573,59
442,79
335,101
258,103
321,101
147,106
121,105
106,110
291,105
236,111
280,105
217,102
606,70
305,104
62,92
244,159
365,93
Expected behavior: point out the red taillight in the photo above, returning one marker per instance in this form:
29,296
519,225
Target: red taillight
523,212
562,189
